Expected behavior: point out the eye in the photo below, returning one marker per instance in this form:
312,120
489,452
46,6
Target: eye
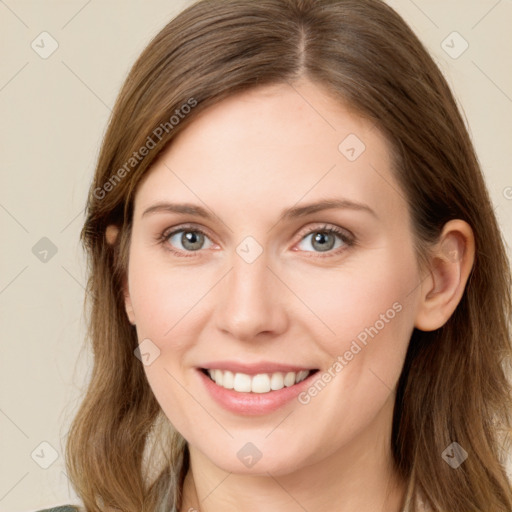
186,239
325,239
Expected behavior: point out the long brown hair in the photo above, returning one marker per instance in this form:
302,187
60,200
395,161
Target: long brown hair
453,386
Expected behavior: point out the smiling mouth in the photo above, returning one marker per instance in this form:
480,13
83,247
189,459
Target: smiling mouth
259,383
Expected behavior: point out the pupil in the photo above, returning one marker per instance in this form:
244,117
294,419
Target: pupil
192,240
320,238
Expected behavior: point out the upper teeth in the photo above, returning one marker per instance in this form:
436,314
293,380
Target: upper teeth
260,383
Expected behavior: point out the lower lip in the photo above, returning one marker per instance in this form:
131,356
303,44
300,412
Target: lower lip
253,403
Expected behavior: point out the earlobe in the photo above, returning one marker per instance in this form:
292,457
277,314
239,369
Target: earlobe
451,262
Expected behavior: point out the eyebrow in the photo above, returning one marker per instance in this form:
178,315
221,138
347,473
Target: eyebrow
287,214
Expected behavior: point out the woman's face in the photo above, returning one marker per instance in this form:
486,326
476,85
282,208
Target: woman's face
271,240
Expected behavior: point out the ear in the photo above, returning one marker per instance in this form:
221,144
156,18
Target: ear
111,234
450,264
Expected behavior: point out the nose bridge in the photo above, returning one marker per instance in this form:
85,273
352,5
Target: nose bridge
250,303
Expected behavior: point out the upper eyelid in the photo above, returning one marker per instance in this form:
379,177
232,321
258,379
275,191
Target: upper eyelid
326,227
190,227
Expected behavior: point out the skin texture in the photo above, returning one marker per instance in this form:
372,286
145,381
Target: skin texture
246,160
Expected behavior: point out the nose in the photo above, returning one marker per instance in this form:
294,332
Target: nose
251,301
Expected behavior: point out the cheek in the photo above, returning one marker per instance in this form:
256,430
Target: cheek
370,309
166,303
370,314
181,406
165,300
359,301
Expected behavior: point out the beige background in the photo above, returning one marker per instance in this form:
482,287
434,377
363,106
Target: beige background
54,112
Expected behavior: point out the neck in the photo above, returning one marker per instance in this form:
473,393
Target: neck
359,476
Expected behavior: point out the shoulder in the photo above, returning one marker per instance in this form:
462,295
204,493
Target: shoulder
63,508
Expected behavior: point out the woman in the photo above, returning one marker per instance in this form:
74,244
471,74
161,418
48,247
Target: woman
300,298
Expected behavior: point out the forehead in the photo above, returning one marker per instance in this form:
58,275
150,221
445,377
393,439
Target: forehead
275,145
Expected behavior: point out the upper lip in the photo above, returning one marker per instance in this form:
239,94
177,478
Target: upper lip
253,368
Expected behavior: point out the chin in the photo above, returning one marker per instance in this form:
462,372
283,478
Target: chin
251,460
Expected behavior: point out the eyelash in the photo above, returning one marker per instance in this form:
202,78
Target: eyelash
347,239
